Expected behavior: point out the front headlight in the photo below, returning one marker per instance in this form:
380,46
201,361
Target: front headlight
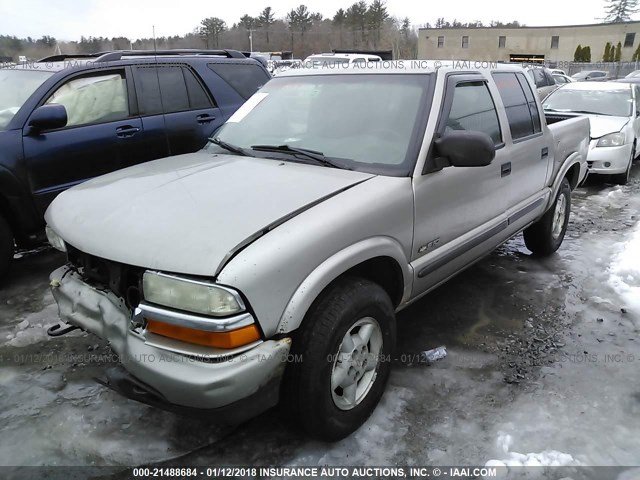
611,140
55,240
191,295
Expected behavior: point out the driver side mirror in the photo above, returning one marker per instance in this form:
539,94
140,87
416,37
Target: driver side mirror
48,117
462,148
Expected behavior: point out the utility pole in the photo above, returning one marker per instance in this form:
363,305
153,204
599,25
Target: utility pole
251,39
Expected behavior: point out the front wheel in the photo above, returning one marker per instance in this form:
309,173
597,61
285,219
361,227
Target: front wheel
623,178
346,342
6,247
545,236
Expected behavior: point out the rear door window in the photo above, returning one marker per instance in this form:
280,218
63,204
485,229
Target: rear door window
520,107
168,89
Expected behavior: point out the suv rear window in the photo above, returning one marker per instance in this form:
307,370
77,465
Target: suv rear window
245,79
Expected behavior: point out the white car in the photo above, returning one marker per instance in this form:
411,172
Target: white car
561,79
557,71
634,74
332,60
614,115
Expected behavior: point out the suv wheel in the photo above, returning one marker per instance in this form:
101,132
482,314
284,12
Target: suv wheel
346,342
6,247
545,236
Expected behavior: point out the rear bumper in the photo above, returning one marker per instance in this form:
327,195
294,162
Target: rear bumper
170,379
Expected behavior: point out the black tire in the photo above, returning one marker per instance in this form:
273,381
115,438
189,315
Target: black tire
6,247
540,237
307,395
623,178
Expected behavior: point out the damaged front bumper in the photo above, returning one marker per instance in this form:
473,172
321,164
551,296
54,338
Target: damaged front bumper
171,374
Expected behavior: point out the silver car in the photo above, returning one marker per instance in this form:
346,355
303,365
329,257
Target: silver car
270,266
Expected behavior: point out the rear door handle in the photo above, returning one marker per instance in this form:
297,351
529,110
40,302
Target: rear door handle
126,131
205,118
505,169
545,153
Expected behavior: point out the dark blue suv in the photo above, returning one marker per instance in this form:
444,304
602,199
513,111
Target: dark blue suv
65,119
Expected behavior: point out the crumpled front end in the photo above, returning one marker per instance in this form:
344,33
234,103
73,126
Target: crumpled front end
166,372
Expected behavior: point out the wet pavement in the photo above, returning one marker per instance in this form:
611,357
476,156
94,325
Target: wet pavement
543,368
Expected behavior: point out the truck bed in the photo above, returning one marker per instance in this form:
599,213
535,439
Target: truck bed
571,134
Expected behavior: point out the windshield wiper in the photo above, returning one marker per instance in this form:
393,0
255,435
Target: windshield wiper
314,155
230,147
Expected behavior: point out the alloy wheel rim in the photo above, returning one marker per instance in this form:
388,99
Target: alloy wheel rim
559,215
355,366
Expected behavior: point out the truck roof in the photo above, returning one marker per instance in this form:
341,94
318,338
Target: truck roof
399,67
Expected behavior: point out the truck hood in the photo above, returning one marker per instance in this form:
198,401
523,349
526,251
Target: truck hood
189,213
603,124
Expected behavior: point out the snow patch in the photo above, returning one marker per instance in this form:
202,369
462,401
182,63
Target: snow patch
624,273
512,462
610,198
33,329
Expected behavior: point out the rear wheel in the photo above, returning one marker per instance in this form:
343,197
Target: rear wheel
623,178
346,342
545,236
6,247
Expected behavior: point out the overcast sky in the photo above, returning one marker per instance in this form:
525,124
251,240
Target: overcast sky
70,19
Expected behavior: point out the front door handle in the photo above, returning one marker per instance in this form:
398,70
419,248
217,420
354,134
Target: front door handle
126,131
205,118
505,169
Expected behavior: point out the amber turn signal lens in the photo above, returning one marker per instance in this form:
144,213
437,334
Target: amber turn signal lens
231,339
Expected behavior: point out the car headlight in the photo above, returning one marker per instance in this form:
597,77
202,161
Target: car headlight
611,140
55,240
190,295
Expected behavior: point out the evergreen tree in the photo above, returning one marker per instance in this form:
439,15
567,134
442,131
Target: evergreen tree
266,19
620,10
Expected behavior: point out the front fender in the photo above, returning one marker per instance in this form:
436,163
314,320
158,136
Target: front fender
336,265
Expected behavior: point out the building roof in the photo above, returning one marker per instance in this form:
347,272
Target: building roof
601,24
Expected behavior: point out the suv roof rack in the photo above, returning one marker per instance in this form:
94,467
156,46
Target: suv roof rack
113,55
64,56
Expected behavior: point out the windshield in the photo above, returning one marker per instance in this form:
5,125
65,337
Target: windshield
363,122
602,102
16,86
